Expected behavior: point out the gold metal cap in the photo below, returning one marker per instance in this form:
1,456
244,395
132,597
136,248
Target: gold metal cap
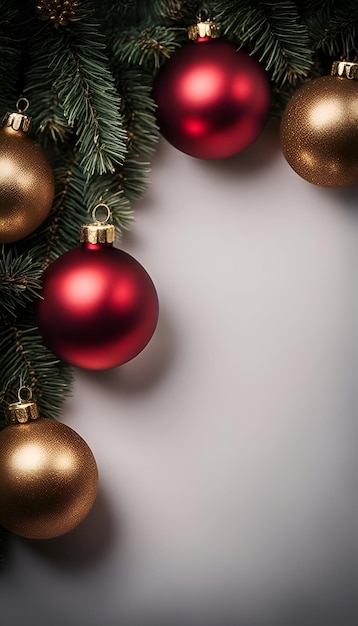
345,69
203,29
24,410
99,231
19,121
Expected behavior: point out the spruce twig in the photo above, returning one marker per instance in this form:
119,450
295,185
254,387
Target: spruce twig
87,94
10,57
274,31
150,47
23,357
20,282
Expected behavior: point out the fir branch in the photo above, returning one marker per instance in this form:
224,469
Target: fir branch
127,12
118,190
49,122
10,55
138,109
25,360
60,232
109,190
333,28
86,91
134,176
20,282
271,29
149,48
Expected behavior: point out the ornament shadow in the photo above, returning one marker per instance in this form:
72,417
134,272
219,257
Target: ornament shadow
143,372
346,197
5,546
84,546
261,154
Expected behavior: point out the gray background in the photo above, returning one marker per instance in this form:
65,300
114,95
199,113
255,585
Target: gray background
227,449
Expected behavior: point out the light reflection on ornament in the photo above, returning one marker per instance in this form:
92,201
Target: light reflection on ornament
201,86
241,88
29,458
194,126
123,295
324,114
84,289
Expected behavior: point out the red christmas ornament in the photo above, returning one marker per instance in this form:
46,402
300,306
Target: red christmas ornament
212,99
98,306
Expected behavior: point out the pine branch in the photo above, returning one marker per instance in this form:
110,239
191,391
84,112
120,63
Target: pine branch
109,189
25,360
60,232
75,63
128,12
49,121
10,55
134,177
333,28
148,48
20,282
274,31
138,109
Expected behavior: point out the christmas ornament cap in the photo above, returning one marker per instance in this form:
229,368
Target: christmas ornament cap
24,410
345,69
100,231
18,121
203,29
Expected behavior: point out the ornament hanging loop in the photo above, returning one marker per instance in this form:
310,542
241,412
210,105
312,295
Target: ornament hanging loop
22,104
101,231
105,207
203,15
24,394
18,120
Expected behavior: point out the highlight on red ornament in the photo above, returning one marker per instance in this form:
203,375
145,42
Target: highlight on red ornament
213,100
98,307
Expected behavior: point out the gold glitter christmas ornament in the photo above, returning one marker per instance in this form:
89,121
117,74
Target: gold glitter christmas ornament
49,476
319,128
26,179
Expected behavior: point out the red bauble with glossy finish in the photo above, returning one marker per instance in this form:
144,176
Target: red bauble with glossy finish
98,307
212,100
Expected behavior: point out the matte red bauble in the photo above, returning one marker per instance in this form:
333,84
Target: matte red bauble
98,306
212,99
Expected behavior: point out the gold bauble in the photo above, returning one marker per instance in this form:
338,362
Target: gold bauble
26,185
319,131
48,478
